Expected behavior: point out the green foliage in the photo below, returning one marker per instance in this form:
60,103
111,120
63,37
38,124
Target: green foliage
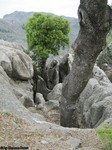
108,146
47,34
105,135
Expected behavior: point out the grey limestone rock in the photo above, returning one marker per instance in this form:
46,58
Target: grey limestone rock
15,62
10,103
87,148
55,94
96,99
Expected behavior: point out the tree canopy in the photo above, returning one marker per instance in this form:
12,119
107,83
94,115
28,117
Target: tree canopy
47,34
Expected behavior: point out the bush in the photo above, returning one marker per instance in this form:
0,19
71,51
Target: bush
108,146
105,135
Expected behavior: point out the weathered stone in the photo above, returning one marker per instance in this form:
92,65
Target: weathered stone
39,99
42,88
9,102
22,68
40,102
100,75
57,68
64,68
53,104
75,143
95,100
55,94
87,148
18,92
3,74
52,74
27,101
15,62
6,64
22,88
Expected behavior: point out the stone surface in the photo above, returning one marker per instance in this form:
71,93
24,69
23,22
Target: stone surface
18,66
15,62
39,99
108,70
27,101
95,101
75,143
100,75
42,88
64,68
11,92
53,104
10,103
40,102
55,94
57,68
87,148
52,73
22,68
23,92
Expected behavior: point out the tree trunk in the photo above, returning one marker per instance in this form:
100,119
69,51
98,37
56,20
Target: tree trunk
95,21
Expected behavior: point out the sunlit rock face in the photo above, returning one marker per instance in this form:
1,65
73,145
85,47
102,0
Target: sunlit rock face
15,62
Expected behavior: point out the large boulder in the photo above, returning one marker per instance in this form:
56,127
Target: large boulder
100,75
16,91
40,102
39,99
64,67
108,70
52,74
57,68
22,68
10,103
15,62
96,100
55,94
41,87
27,101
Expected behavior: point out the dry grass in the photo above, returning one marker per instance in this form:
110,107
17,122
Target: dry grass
16,132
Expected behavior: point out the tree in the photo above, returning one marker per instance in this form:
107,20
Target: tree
95,18
47,34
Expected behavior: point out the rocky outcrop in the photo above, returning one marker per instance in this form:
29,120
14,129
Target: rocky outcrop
108,70
15,62
16,91
96,100
57,69
16,94
10,103
55,94
64,67
52,74
41,87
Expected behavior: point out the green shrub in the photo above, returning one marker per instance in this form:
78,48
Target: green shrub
108,146
105,135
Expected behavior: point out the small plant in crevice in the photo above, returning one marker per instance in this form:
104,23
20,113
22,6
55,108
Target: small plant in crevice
105,135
